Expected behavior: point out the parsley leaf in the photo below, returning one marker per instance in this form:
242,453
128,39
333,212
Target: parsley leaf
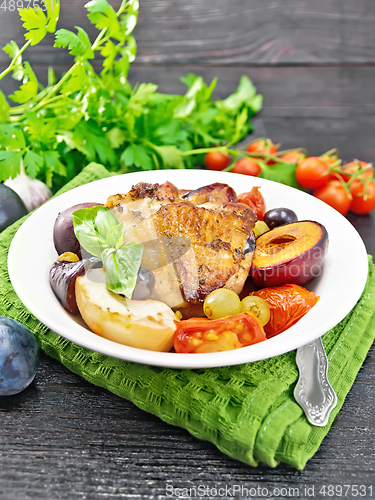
26,92
29,89
116,137
33,163
10,164
35,22
95,142
53,166
4,108
12,138
240,125
170,156
137,155
244,94
78,79
40,128
103,15
53,13
13,52
140,96
78,45
109,52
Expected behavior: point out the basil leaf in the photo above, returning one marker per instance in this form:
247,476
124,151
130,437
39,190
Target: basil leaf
100,217
89,214
89,238
115,236
122,268
86,232
105,221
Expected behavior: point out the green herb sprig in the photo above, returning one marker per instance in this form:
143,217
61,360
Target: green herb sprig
99,233
91,115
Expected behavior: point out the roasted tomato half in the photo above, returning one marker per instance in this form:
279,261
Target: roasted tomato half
255,200
224,334
287,303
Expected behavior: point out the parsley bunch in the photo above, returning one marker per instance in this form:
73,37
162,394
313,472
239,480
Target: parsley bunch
86,116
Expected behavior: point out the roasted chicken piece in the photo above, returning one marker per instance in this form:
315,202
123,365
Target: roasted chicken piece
166,192
214,251
141,201
193,245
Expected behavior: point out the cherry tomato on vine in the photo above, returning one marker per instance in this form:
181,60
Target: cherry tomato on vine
330,159
247,166
263,147
292,157
216,160
287,303
354,167
335,195
363,198
312,172
355,186
255,200
205,335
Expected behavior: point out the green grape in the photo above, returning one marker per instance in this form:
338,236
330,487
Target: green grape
256,306
260,228
221,302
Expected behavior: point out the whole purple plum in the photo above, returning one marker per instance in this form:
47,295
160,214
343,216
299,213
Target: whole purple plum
64,238
19,356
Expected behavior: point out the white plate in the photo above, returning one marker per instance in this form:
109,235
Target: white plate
344,275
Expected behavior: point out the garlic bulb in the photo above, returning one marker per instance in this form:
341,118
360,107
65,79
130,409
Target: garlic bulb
32,191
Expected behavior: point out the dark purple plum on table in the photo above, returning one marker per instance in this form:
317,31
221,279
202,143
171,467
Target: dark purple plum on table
19,356
12,207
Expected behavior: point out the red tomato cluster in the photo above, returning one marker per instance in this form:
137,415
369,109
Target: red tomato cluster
348,187
258,152
263,148
215,160
247,166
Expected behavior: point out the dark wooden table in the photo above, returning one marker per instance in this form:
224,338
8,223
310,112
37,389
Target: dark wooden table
314,62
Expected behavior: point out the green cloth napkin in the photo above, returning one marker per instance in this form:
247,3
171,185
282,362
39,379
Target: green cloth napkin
247,411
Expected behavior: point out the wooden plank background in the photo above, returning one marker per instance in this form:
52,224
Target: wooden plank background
235,32
310,59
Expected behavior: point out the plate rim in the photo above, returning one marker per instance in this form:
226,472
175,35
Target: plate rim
174,360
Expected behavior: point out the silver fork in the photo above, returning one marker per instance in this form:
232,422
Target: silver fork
313,391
